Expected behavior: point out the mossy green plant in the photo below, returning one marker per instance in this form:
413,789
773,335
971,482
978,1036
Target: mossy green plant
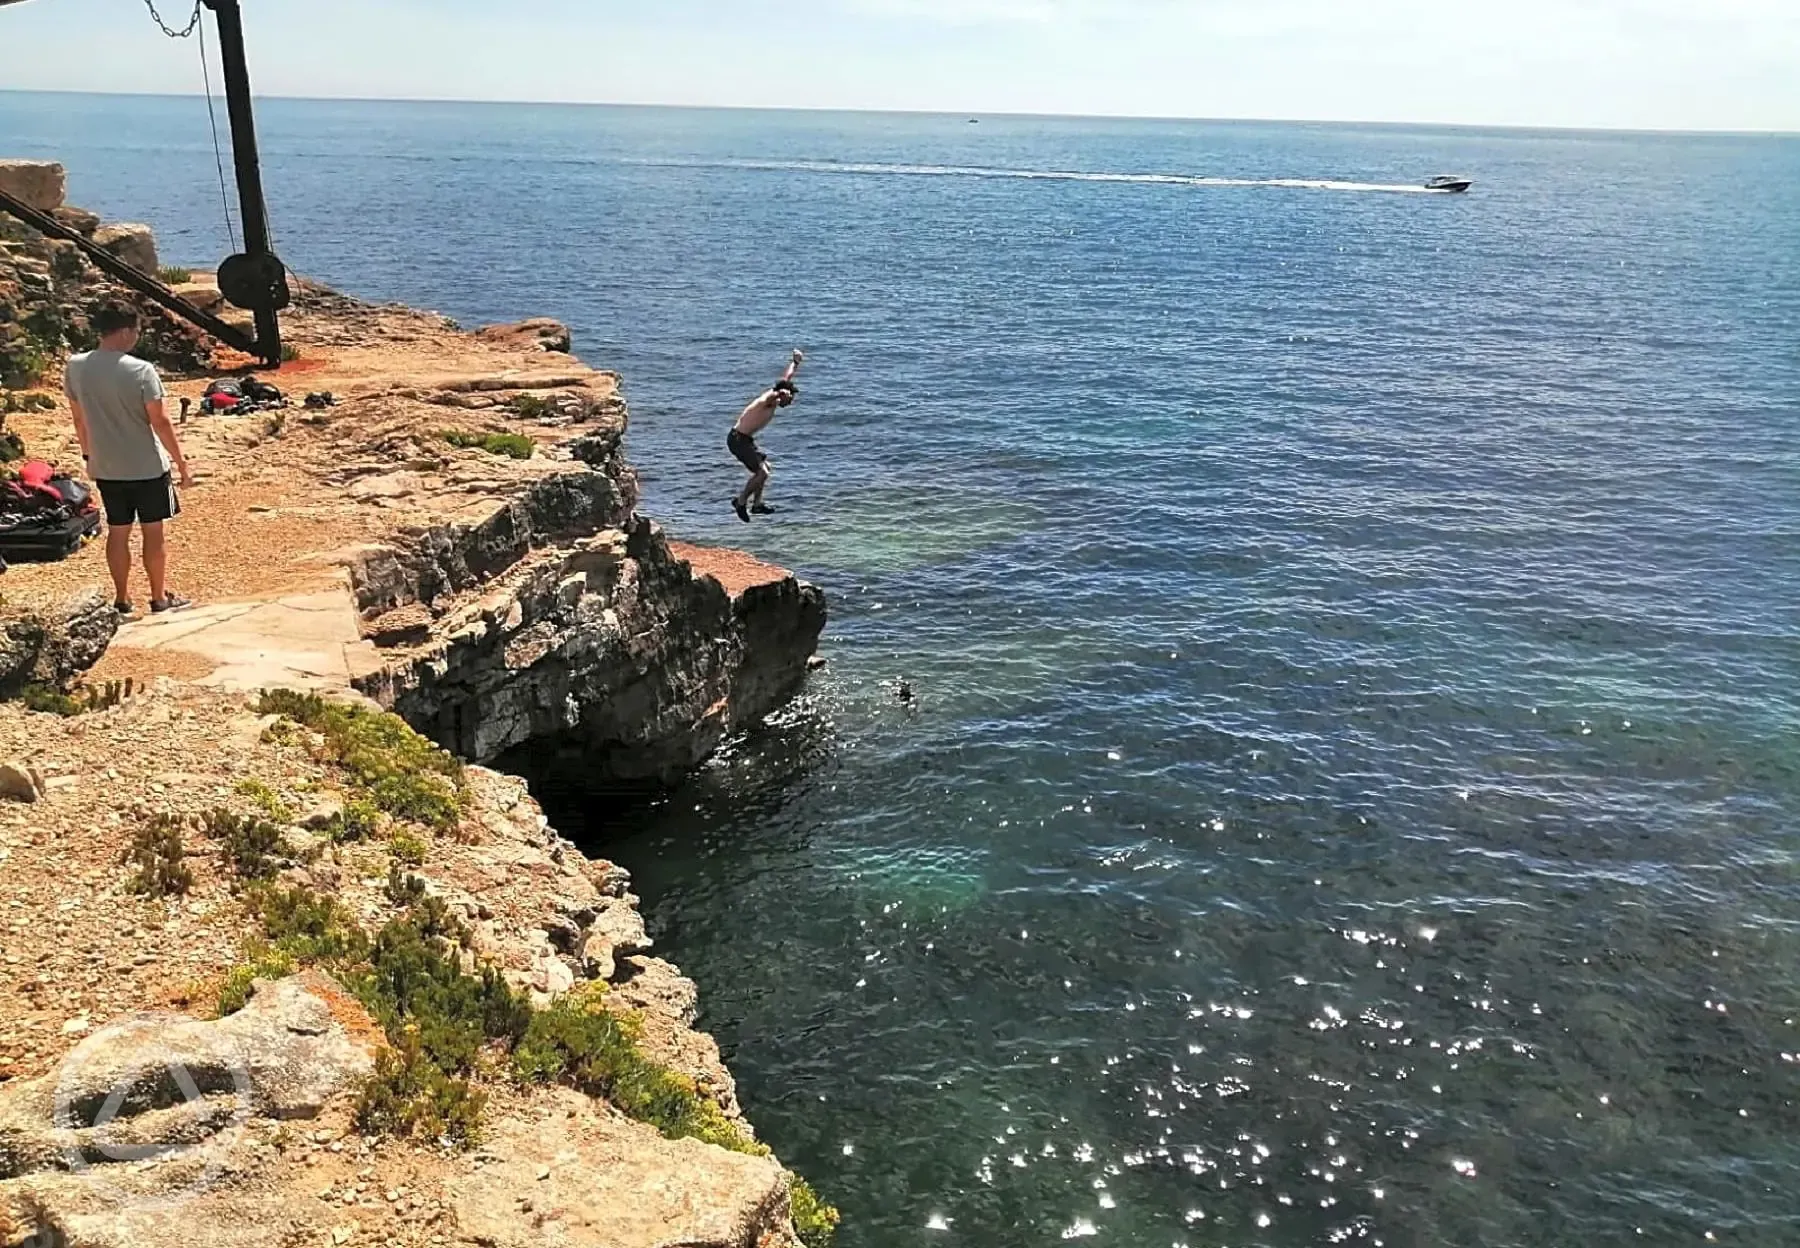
87,699
580,1042
407,849
158,853
260,961
814,1221
266,800
398,771
511,445
357,821
410,1096
174,275
251,847
49,701
308,927
414,983
531,407
440,1018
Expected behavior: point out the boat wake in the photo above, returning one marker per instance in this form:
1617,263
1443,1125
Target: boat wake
1035,175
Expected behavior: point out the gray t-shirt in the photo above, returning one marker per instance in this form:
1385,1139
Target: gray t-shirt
112,388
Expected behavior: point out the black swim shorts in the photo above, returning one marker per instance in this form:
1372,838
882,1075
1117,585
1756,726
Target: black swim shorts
150,501
744,447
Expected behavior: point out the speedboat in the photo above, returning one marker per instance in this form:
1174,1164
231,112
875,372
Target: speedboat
1450,182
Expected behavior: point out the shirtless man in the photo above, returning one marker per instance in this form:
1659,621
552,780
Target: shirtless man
741,441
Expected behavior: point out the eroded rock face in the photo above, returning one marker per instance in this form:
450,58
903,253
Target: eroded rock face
537,334
48,290
573,1174
42,184
610,646
132,243
51,649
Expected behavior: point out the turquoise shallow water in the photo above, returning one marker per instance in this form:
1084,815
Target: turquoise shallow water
1352,792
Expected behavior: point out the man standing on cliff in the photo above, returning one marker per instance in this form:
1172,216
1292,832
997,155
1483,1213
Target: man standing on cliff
741,441
131,451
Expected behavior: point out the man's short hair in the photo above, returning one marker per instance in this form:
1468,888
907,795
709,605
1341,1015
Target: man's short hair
786,387
114,315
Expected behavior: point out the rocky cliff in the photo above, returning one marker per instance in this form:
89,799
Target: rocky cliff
451,535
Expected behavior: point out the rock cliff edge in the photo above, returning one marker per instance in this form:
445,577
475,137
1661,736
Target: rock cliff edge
220,908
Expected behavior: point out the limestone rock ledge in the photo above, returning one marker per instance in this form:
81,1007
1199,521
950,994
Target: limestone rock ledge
612,645
125,1124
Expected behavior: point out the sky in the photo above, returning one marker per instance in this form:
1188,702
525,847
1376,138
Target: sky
1650,64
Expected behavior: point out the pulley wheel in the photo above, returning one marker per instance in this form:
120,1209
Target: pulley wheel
255,283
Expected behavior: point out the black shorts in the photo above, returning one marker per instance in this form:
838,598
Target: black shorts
744,447
150,501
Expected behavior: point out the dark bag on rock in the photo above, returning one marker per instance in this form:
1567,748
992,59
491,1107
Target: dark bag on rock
45,515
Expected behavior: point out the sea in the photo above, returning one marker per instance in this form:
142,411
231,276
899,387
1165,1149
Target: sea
1350,787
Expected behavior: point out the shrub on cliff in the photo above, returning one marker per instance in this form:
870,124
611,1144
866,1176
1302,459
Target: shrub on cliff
814,1220
414,984
440,1019
299,928
410,1096
266,800
581,1043
400,771
511,445
307,926
250,846
157,852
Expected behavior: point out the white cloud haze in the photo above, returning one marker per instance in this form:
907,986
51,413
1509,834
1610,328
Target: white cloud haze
1712,64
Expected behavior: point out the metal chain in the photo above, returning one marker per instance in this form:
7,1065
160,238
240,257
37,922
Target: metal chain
193,22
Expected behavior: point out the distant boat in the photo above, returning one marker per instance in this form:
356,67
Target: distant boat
974,121
1450,182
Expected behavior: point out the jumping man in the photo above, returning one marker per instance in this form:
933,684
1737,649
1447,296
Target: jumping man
741,441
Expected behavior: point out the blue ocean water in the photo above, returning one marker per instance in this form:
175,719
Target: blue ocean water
1351,794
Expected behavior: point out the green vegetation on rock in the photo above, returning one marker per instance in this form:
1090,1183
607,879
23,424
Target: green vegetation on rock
251,847
411,1097
581,1043
447,1022
174,275
407,849
260,962
86,700
48,701
157,851
23,361
266,800
25,401
814,1220
511,445
397,770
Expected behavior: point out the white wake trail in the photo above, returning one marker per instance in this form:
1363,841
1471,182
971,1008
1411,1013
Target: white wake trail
1036,175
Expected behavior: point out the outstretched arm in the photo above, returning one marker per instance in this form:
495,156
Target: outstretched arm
793,364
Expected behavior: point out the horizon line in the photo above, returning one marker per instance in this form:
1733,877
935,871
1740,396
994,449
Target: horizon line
977,114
